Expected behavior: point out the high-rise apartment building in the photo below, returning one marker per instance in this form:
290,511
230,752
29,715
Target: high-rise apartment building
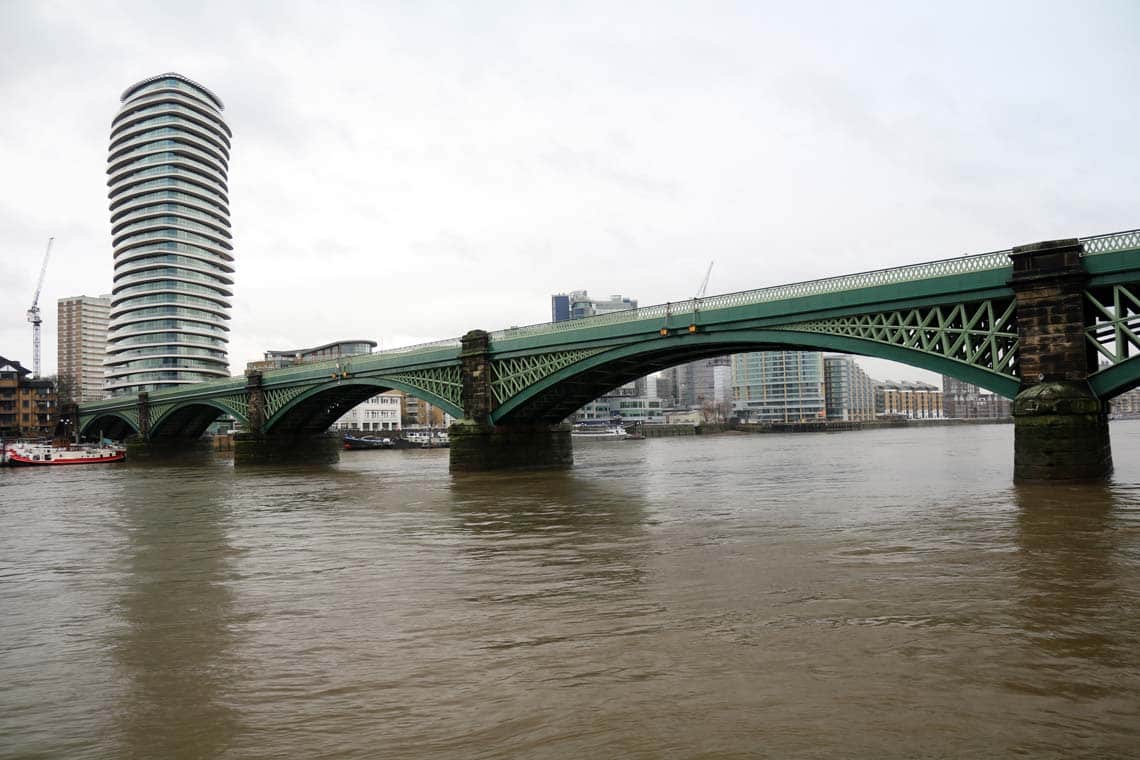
170,228
779,386
850,392
81,346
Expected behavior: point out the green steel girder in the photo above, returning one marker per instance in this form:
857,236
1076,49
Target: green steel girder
1119,378
955,317
544,400
331,396
982,335
172,414
1113,312
512,376
1115,328
89,424
442,386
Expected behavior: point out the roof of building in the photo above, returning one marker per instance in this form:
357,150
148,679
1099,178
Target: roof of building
315,349
171,74
9,365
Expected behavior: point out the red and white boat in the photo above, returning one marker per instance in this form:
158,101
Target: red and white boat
44,454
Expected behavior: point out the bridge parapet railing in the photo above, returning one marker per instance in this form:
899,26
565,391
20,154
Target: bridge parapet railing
982,262
911,273
1111,243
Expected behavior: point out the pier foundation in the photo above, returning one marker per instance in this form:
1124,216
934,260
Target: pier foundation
252,449
480,448
1060,426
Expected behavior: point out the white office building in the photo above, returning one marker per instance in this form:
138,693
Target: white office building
381,412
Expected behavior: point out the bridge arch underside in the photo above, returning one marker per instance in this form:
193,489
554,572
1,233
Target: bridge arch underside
112,425
564,392
316,409
187,421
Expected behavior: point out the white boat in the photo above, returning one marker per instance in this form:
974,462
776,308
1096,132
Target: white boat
598,433
44,454
435,439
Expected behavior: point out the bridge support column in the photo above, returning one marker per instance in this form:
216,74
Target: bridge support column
1060,426
254,446
178,450
144,415
251,449
255,408
479,446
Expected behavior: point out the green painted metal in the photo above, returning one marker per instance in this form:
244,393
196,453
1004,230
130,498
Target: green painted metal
299,394
1114,333
1115,328
223,405
513,376
87,422
982,335
956,317
684,346
442,386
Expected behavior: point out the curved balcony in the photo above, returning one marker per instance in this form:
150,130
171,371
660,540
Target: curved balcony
169,294
177,125
173,169
126,208
165,220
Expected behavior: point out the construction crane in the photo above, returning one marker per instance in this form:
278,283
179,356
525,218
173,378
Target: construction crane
705,282
34,313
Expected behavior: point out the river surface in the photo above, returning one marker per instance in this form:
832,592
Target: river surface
874,594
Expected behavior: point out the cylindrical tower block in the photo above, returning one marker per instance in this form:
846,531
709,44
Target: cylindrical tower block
170,228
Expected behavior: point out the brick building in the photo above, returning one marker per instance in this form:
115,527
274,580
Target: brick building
27,406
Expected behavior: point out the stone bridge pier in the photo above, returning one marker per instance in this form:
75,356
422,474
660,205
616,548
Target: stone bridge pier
1060,425
256,446
478,445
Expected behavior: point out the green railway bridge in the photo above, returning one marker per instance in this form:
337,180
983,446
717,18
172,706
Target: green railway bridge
1053,325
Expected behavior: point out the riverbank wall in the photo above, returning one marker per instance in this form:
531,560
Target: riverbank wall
815,426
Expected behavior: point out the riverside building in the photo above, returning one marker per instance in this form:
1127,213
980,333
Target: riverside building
913,400
170,226
961,400
779,386
850,392
81,346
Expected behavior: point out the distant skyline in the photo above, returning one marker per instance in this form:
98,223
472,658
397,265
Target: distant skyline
407,172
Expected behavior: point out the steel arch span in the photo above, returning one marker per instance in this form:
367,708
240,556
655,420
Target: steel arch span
563,382
969,318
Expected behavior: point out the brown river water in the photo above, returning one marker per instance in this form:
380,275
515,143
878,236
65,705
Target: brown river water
875,594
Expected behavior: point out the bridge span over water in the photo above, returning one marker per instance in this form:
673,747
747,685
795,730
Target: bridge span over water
1054,325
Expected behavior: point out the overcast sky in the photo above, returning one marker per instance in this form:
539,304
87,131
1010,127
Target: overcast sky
409,171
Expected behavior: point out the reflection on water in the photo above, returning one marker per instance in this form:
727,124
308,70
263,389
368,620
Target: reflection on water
875,594
1067,574
175,652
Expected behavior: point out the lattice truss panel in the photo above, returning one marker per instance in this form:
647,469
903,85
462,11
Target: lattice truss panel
511,376
158,411
981,334
277,398
237,403
1114,328
444,382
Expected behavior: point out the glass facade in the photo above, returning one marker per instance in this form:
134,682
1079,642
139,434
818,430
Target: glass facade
170,227
850,391
779,386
